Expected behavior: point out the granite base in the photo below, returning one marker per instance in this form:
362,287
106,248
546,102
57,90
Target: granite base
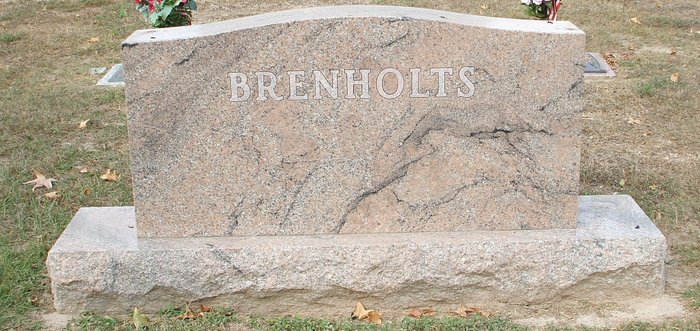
99,264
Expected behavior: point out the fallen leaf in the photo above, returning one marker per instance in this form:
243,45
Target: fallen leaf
53,195
359,313
83,124
418,313
611,59
94,39
110,176
673,51
675,76
83,170
41,181
204,308
140,320
631,120
415,313
374,317
622,182
466,311
87,191
187,315
635,20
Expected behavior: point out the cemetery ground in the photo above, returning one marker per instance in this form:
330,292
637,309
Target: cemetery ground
641,137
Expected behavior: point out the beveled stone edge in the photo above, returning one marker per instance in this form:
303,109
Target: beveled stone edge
352,11
599,217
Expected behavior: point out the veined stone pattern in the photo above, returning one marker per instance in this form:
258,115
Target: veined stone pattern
356,119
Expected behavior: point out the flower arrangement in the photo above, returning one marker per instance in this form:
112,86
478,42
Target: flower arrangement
542,9
167,13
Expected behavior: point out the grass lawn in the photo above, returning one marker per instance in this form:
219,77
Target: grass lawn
641,137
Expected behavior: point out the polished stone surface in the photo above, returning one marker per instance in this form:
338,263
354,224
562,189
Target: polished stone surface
357,119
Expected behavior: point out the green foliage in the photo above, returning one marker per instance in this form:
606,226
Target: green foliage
476,322
693,296
688,253
540,11
9,37
167,13
648,88
92,321
218,319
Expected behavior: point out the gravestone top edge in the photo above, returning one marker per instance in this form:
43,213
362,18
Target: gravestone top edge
348,12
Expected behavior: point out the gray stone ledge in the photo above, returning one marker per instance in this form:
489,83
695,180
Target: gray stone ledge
334,12
99,264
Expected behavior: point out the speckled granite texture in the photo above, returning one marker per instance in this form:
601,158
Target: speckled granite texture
100,264
368,119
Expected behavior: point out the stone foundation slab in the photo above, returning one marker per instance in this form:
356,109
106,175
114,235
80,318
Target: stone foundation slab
100,264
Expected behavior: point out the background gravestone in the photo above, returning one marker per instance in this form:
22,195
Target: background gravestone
382,186
433,122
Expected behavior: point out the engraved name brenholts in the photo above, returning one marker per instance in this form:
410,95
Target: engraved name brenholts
388,83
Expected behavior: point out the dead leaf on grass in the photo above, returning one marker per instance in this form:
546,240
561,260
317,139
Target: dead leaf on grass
94,39
83,170
418,313
635,20
204,309
41,181
140,320
611,59
360,313
374,317
52,195
87,191
675,77
83,124
187,315
110,176
463,311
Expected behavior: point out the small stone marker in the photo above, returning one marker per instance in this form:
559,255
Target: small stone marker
297,162
114,77
597,67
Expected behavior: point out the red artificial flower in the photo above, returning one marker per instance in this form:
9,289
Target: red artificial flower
151,8
183,2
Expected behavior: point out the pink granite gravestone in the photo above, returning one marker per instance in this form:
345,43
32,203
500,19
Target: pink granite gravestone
297,162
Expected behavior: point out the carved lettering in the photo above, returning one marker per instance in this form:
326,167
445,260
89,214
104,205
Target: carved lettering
389,83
